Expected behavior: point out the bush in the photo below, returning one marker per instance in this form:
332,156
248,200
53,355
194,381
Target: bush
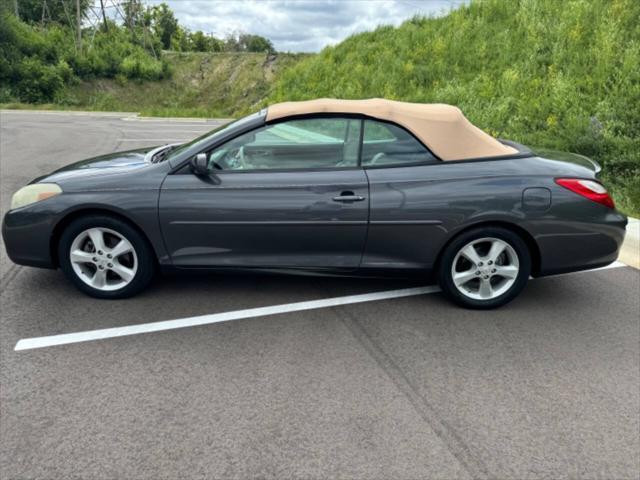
38,82
36,63
142,67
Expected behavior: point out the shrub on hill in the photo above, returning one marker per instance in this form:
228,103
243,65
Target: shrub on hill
36,63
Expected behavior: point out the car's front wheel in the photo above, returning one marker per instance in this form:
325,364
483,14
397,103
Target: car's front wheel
485,268
105,257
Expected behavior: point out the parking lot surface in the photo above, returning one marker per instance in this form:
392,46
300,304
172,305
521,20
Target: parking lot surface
410,387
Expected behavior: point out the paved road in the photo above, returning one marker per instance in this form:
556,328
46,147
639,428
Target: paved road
404,388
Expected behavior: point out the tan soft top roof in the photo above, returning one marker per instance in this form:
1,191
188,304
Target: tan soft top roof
442,128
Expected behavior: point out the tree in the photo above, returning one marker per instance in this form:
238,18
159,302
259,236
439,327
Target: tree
133,14
180,40
254,43
215,44
199,41
246,42
59,11
231,43
164,23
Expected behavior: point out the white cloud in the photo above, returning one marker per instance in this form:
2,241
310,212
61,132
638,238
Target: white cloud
300,25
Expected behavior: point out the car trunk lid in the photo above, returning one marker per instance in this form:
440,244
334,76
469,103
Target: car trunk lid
573,158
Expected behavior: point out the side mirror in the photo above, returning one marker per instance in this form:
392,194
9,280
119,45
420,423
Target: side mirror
200,164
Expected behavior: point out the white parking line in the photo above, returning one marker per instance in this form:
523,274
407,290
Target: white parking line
78,113
164,126
160,123
87,336
136,118
154,139
152,125
162,130
90,335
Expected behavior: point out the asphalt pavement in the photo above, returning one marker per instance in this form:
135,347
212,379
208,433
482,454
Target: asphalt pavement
406,388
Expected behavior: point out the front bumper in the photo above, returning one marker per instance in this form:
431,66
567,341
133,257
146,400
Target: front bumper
27,234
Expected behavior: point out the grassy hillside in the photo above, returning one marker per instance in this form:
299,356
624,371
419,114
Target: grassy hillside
562,74
200,85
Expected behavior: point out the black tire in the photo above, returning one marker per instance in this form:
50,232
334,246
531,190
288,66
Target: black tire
448,256
146,262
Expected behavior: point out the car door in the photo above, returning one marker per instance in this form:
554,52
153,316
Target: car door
288,194
406,205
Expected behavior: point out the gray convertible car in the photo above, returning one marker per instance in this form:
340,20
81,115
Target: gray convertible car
354,187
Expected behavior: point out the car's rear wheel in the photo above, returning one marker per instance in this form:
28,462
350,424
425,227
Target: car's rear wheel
105,257
485,268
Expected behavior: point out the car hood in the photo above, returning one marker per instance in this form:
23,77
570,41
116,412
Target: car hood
104,165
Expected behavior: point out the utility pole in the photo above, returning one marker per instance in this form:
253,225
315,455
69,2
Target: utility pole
79,25
15,7
131,17
104,16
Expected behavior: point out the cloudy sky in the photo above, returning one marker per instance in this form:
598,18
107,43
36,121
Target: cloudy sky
300,25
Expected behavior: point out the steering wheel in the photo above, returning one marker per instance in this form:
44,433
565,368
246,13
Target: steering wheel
376,158
235,159
231,160
241,158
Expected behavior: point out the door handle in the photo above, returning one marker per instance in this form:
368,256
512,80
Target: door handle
348,197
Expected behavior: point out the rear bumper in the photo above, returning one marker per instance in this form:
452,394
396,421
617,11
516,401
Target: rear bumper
576,245
27,238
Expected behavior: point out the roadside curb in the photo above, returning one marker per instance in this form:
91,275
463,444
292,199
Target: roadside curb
630,251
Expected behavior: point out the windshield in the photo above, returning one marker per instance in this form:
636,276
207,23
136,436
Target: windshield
203,139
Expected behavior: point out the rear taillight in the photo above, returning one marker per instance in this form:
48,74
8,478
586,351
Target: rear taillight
589,189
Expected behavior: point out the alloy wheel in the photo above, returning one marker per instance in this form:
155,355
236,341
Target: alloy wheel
103,259
485,268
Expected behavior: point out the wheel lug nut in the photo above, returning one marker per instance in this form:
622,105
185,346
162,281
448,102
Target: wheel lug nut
99,252
478,272
95,259
493,270
486,277
479,264
108,255
110,265
490,262
101,267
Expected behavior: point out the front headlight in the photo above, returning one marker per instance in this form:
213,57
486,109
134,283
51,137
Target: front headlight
34,193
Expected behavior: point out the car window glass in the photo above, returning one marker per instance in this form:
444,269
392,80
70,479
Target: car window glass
387,144
295,144
203,139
